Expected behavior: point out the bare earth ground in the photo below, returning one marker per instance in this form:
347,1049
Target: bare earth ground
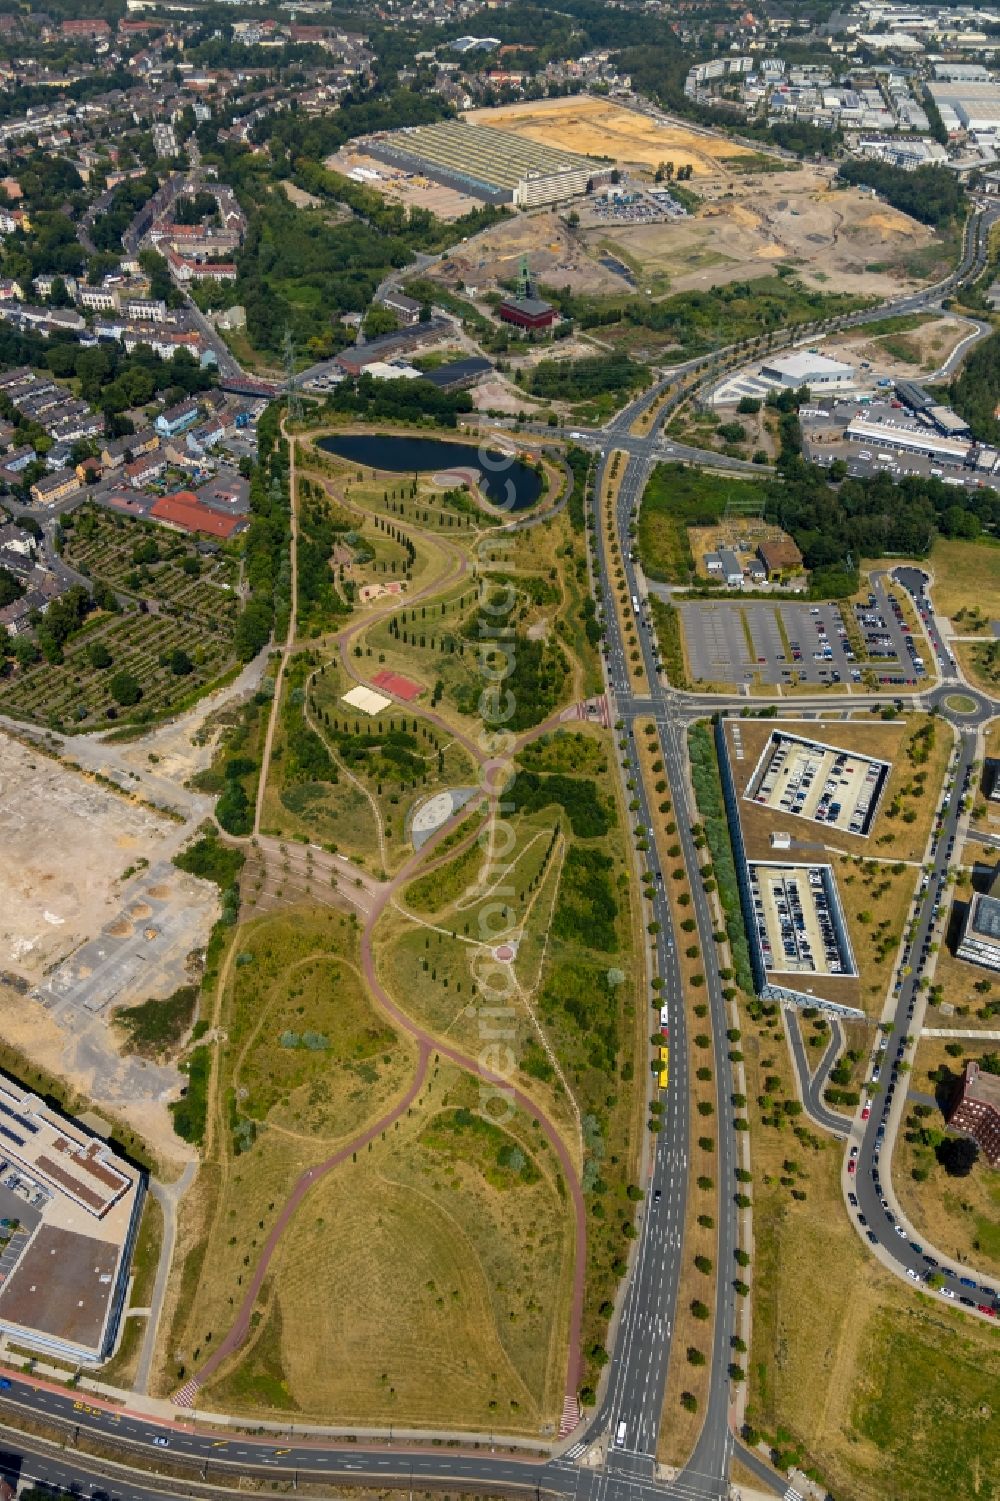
408,188
66,904
66,843
749,225
601,128
837,241
558,257
930,345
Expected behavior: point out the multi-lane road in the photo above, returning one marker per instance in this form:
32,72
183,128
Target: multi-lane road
633,1394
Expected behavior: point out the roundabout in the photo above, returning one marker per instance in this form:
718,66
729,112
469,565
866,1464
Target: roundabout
961,703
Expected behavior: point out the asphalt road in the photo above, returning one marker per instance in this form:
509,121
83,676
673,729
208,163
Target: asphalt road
871,1141
635,1386
641,1404
813,1084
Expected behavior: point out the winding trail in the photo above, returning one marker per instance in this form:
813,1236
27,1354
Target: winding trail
500,1085
312,1175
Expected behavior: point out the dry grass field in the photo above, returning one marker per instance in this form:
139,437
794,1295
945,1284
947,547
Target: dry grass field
954,983
890,1395
304,1062
875,896
960,1216
923,344
425,1284
604,129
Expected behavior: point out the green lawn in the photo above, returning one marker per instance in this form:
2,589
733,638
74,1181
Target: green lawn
927,1400
675,498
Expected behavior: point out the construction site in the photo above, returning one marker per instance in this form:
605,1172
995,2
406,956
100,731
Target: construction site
748,224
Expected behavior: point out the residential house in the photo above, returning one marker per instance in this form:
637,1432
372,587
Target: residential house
19,458
53,487
146,309
98,299
145,469
89,471
177,419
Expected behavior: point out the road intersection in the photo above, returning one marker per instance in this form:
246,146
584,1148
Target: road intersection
633,1391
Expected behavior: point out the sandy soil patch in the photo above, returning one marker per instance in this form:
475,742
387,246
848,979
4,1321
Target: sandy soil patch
837,239
62,858
602,128
410,188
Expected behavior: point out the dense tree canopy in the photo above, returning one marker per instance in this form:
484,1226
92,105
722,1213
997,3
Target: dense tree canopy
976,389
933,195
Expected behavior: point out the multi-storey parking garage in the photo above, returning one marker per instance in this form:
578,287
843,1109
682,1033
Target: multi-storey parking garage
807,779
798,923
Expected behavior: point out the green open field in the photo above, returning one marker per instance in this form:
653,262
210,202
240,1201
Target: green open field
181,601
436,643
675,498
884,1392
338,777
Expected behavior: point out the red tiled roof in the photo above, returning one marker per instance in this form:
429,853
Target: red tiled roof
184,509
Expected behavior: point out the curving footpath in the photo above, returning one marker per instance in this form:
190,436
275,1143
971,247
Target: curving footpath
380,897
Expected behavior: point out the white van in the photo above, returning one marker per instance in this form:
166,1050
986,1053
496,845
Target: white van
620,1436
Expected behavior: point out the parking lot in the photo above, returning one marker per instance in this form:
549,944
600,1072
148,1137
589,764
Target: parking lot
894,652
823,783
739,642
795,907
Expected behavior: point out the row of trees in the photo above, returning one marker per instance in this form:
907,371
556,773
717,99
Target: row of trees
976,390
932,195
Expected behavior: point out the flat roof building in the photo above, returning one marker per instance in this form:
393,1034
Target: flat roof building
779,557
731,567
527,312
913,396
807,369
980,940
946,421
495,165
976,1111
77,1205
909,439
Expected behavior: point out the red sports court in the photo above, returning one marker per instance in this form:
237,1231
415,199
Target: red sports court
397,685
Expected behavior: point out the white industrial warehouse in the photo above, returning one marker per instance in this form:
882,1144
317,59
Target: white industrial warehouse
807,368
909,440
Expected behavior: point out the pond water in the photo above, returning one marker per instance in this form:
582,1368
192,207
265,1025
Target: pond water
504,478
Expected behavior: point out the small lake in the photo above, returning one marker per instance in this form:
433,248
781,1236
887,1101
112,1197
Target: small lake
504,477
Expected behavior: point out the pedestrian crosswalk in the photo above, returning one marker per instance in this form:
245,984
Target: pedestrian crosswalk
576,1450
793,1495
570,1416
187,1393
